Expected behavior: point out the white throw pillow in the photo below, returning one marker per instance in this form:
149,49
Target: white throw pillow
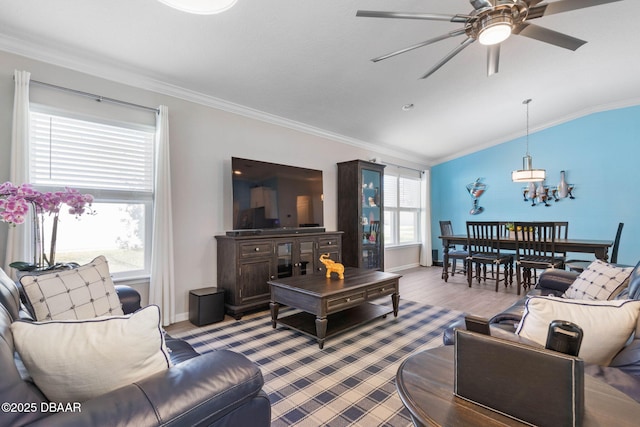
76,360
599,281
607,325
82,293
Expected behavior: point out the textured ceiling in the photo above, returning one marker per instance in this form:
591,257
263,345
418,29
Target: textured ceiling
307,62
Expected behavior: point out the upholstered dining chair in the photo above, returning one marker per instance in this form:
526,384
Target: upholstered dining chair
451,253
535,250
483,244
579,265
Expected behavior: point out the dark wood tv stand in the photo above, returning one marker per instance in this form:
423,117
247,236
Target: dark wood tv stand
245,264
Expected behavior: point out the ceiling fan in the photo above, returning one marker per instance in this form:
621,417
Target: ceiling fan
491,22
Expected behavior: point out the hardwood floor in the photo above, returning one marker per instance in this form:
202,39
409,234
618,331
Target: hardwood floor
424,285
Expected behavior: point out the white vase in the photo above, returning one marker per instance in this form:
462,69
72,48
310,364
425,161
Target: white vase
540,192
563,187
532,191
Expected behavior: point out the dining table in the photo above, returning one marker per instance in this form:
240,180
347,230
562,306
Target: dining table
599,248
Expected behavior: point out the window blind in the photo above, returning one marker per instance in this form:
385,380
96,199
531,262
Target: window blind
81,154
409,193
401,192
390,191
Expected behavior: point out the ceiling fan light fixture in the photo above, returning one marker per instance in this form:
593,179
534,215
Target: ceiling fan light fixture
496,33
200,7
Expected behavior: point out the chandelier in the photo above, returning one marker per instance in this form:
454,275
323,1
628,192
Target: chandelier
527,173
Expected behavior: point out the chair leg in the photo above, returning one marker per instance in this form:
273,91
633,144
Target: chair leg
453,267
506,275
469,272
527,279
510,273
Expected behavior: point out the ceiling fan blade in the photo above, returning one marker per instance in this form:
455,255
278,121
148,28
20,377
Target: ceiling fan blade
563,6
424,43
413,15
493,59
450,55
548,36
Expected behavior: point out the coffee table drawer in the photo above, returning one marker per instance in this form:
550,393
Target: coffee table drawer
249,250
335,304
379,291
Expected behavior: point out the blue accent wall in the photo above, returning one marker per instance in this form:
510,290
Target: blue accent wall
600,154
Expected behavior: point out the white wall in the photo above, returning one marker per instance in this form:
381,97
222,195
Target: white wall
203,140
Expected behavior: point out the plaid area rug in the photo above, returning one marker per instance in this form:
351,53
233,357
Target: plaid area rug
351,382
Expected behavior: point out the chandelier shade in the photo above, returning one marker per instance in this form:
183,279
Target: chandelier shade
200,7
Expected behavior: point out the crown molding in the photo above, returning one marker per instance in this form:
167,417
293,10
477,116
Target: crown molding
90,64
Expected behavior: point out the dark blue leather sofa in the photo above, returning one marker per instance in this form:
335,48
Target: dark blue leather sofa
221,388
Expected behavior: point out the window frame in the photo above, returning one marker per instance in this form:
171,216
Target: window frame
393,214
110,196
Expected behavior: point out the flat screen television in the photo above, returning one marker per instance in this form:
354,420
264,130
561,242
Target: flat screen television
270,196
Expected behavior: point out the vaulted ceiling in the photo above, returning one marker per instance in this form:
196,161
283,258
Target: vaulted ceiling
307,64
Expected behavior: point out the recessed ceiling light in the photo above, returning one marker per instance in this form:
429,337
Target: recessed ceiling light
408,107
200,7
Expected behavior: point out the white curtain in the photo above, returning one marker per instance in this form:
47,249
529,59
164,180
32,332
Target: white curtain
425,250
162,286
17,237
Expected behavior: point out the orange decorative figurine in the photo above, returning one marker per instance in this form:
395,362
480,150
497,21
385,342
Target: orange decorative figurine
332,266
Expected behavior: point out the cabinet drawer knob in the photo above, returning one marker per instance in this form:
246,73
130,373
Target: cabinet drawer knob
257,249
348,299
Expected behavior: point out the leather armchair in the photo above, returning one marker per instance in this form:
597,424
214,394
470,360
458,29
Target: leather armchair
221,388
551,282
622,373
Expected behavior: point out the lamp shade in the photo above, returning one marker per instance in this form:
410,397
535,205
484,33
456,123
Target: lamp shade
200,7
528,175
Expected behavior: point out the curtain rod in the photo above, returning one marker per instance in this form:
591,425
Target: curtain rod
96,97
398,166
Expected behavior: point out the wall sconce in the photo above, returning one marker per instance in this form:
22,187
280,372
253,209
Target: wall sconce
543,194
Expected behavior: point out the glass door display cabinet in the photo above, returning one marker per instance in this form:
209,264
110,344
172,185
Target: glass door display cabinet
295,257
361,213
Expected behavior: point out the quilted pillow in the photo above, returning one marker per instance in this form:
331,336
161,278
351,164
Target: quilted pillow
76,360
599,281
82,293
607,325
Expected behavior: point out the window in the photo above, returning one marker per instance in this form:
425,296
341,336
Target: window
402,201
112,162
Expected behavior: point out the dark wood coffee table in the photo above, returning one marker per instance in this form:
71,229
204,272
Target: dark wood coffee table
330,305
425,385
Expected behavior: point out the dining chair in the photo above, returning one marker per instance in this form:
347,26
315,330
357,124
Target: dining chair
483,245
451,253
579,265
562,232
535,250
